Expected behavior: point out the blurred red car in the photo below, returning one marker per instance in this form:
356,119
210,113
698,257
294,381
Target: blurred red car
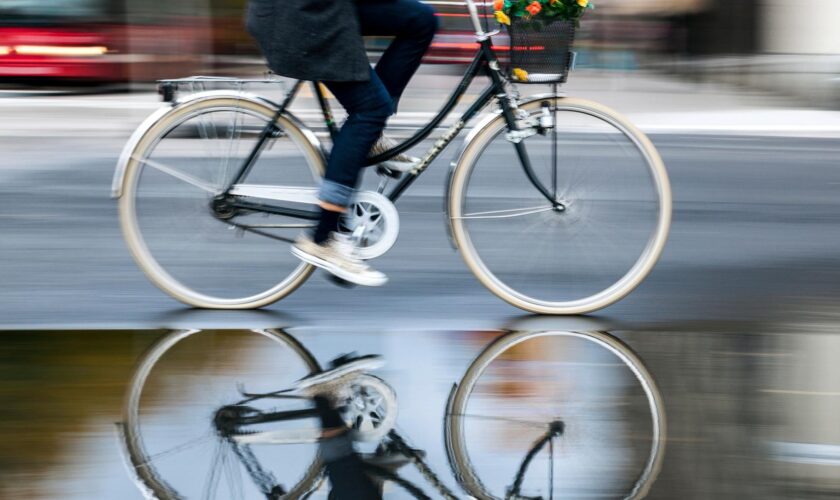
108,41
89,40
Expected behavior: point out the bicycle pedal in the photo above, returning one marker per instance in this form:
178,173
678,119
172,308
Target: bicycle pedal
340,282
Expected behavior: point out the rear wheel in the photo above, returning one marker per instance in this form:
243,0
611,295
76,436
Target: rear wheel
594,233
189,240
190,381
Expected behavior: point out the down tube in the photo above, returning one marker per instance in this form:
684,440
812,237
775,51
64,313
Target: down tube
442,142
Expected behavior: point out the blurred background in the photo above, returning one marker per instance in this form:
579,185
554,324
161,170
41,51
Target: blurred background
772,45
738,322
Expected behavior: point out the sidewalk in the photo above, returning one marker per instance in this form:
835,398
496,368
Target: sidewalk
658,104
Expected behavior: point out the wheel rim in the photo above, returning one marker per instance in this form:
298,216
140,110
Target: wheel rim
178,386
546,259
179,234
589,460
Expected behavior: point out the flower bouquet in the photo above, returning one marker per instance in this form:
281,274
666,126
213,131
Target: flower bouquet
541,34
538,13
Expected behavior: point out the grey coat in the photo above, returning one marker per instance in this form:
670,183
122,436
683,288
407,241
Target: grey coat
310,39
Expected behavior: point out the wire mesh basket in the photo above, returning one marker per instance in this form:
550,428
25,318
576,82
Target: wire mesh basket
540,51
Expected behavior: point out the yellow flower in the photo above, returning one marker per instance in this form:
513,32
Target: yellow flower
520,74
583,3
502,17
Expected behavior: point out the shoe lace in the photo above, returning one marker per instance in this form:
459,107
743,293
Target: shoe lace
344,246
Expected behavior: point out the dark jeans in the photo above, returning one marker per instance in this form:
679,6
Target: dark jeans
346,471
370,103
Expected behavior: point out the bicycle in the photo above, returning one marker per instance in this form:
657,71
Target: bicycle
575,229
536,415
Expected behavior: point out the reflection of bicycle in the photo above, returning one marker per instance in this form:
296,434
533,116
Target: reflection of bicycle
558,205
553,414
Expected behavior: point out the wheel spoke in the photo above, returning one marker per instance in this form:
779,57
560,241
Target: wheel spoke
526,423
189,179
175,449
507,213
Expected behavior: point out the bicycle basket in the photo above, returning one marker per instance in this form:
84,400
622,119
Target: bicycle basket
540,52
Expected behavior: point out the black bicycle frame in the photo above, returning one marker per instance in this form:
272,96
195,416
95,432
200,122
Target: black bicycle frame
484,60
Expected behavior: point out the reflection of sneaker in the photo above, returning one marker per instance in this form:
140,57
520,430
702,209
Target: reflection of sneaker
337,256
341,367
400,163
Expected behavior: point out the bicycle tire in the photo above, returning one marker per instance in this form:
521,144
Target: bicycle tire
152,481
138,151
457,409
470,157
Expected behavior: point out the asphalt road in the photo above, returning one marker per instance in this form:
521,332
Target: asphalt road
754,229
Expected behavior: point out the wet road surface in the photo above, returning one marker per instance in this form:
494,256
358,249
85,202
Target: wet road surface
748,406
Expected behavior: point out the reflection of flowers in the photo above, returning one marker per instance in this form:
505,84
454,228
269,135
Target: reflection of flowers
545,11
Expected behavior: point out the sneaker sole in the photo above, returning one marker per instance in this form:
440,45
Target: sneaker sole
335,270
361,365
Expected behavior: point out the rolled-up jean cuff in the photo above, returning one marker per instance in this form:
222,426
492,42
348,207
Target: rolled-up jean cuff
335,193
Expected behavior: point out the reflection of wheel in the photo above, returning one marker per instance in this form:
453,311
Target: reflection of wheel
183,233
181,391
586,397
579,231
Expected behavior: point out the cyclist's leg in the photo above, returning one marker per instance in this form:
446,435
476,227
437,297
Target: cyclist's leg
368,105
413,24
344,467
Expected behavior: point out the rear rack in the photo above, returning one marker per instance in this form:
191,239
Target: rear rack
168,89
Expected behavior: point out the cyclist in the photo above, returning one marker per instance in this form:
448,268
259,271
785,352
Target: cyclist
321,40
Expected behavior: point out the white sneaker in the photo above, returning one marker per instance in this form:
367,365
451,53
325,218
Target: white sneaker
340,369
400,163
337,256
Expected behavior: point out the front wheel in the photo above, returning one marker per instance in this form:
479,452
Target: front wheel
579,233
556,414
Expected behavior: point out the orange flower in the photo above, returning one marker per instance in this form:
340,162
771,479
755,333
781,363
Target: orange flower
534,8
583,3
499,5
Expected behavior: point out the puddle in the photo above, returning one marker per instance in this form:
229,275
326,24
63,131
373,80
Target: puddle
743,412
